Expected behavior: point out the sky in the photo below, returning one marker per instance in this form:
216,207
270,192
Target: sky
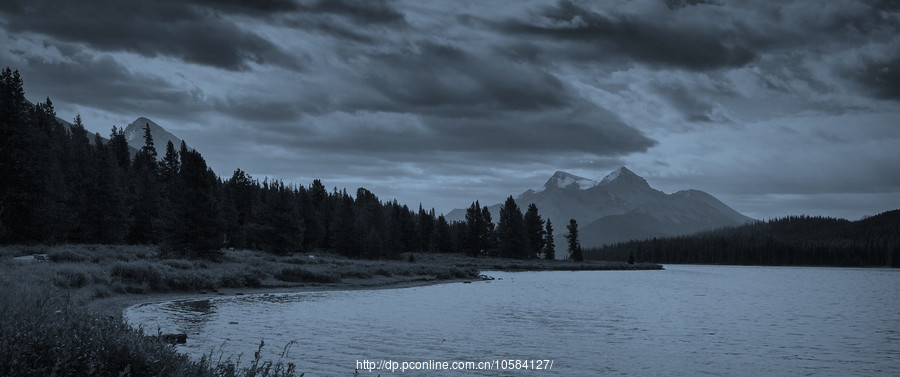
775,107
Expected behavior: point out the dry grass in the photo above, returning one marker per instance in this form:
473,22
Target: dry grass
45,331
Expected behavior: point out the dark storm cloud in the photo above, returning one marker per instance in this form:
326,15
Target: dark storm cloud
444,78
104,83
691,107
600,37
253,109
511,137
266,7
179,30
882,78
675,4
362,11
358,21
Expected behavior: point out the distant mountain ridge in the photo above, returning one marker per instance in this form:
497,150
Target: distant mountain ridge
622,206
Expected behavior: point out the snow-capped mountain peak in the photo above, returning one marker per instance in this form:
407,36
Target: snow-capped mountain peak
561,179
620,172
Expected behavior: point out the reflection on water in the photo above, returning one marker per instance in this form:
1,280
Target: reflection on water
687,320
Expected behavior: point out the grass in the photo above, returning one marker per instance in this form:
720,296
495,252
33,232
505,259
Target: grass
47,329
44,331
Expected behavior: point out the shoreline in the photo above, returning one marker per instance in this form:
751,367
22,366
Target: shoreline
115,306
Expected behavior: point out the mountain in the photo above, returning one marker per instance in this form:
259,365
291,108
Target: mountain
134,133
622,206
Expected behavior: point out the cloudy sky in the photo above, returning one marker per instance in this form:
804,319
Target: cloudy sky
776,108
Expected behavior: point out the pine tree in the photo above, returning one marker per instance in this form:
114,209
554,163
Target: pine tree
549,245
425,228
534,228
80,177
120,149
442,241
168,167
280,230
149,148
575,252
476,236
490,237
197,230
110,211
145,227
511,231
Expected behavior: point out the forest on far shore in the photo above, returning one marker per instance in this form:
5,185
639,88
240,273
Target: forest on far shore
789,241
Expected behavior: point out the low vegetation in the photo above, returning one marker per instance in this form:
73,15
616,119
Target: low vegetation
45,329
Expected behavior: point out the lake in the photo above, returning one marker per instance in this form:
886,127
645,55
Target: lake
684,321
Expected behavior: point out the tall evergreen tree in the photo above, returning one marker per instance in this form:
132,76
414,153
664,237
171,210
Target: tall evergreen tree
145,226
281,229
490,239
198,230
240,191
477,230
120,149
549,245
575,252
109,207
442,241
168,167
511,231
425,228
534,228
149,147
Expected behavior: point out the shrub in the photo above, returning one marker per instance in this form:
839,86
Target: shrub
65,256
240,280
300,274
101,291
356,274
296,260
69,277
138,272
178,264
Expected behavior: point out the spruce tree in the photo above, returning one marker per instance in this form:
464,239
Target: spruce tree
549,245
534,228
441,241
425,228
197,231
120,149
574,246
145,226
477,231
511,231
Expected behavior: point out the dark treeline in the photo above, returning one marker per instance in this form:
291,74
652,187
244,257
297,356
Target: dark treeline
61,185
789,241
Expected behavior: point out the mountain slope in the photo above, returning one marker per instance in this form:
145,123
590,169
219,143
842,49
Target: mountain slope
134,133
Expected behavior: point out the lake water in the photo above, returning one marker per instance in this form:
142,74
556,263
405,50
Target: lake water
684,321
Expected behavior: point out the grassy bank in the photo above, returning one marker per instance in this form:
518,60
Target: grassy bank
61,316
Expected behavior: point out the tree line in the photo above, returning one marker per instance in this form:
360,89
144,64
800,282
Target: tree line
61,185
793,240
